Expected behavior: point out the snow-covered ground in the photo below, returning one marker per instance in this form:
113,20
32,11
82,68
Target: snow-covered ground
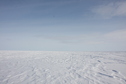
46,67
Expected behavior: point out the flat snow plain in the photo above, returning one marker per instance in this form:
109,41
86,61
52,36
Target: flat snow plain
46,67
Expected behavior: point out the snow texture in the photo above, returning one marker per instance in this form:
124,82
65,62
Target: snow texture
46,67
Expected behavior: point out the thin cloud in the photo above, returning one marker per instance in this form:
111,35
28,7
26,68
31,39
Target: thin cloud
115,37
111,10
119,35
94,38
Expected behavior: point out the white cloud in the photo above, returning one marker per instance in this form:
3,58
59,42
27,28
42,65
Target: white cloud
111,10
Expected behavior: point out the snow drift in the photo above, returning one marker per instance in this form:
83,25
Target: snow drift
46,67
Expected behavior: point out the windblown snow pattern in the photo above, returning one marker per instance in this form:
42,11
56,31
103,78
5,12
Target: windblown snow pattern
51,67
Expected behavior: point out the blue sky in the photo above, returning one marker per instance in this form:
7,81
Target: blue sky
63,25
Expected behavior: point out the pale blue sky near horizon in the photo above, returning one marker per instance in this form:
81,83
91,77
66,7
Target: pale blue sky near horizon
63,25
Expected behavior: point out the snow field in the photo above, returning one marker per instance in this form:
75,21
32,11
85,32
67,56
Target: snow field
46,67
